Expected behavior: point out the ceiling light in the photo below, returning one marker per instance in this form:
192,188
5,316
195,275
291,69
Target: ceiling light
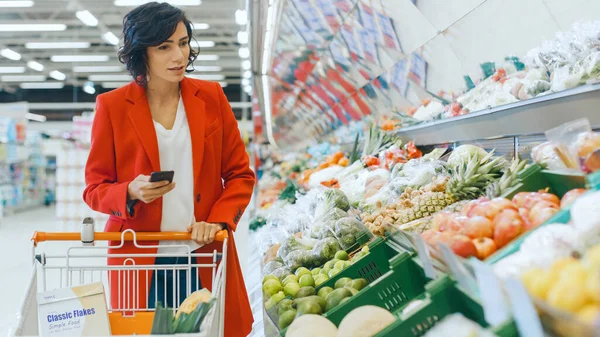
208,77
241,18
88,88
223,84
57,45
42,85
245,82
207,58
15,3
35,65
208,68
131,3
110,38
12,70
244,52
87,18
199,26
109,78
35,117
246,65
97,69
248,89
23,78
113,85
202,44
80,58
19,27
57,75
247,74
10,54
242,37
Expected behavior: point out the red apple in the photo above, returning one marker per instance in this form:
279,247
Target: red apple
525,199
462,245
543,195
570,196
485,247
479,209
478,227
541,215
508,225
468,206
429,235
454,225
524,213
496,205
441,219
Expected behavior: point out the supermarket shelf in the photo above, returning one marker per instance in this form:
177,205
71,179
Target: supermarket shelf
529,117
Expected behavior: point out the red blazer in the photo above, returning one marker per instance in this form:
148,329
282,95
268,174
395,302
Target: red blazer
124,145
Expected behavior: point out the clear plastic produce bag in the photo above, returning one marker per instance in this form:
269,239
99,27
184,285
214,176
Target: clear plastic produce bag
324,250
349,230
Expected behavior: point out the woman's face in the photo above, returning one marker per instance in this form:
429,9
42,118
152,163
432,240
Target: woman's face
168,60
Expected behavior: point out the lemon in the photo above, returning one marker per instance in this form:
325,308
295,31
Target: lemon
568,294
592,286
589,314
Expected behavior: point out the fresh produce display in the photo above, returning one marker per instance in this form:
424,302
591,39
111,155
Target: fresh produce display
475,201
457,325
484,226
469,171
571,59
296,295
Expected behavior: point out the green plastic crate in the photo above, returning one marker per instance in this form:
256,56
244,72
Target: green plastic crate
561,182
405,281
443,297
370,267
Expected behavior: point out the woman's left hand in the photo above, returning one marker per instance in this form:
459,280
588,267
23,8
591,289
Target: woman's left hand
204,232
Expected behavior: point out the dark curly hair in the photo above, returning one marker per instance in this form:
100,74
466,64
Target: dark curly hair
149,25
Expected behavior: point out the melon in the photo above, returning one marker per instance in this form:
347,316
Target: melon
311,326
365,321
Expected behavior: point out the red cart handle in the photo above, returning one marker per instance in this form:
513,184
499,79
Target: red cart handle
116,236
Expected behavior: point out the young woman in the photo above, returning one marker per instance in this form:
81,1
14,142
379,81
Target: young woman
163,121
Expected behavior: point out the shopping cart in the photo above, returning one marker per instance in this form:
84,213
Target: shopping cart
87,263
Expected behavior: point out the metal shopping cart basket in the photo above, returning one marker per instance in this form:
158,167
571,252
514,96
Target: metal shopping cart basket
85,263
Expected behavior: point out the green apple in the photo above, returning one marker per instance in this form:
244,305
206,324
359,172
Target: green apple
341,255
330,263
307,280
301,271
291,288
289,278
320,279
347,264
326,270
334,272
315,271
270,303
271,287
278,297
339,265
365,249
269,277
323,292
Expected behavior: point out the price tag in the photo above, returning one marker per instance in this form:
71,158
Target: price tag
490,291
524,313
457,270
424,256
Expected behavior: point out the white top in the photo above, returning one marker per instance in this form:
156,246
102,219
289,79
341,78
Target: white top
175,152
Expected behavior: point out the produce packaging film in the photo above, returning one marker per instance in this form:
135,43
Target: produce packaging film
75,311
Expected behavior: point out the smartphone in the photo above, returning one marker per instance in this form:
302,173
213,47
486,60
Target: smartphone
162,176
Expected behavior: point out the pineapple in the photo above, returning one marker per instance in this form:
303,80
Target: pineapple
509,179
467,181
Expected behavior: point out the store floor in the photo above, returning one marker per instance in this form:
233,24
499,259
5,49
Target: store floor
15,249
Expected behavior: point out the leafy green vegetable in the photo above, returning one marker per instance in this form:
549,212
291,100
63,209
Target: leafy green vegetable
257,223
289,192
163,321
190,323
337,199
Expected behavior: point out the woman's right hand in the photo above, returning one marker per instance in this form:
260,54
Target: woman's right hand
142,189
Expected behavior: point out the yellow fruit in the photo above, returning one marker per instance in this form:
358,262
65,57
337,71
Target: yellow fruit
574,270
592,286
592,257
559,264
589,314
192,301
538,282
568,294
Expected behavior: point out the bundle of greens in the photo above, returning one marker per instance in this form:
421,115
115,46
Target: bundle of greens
165,323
